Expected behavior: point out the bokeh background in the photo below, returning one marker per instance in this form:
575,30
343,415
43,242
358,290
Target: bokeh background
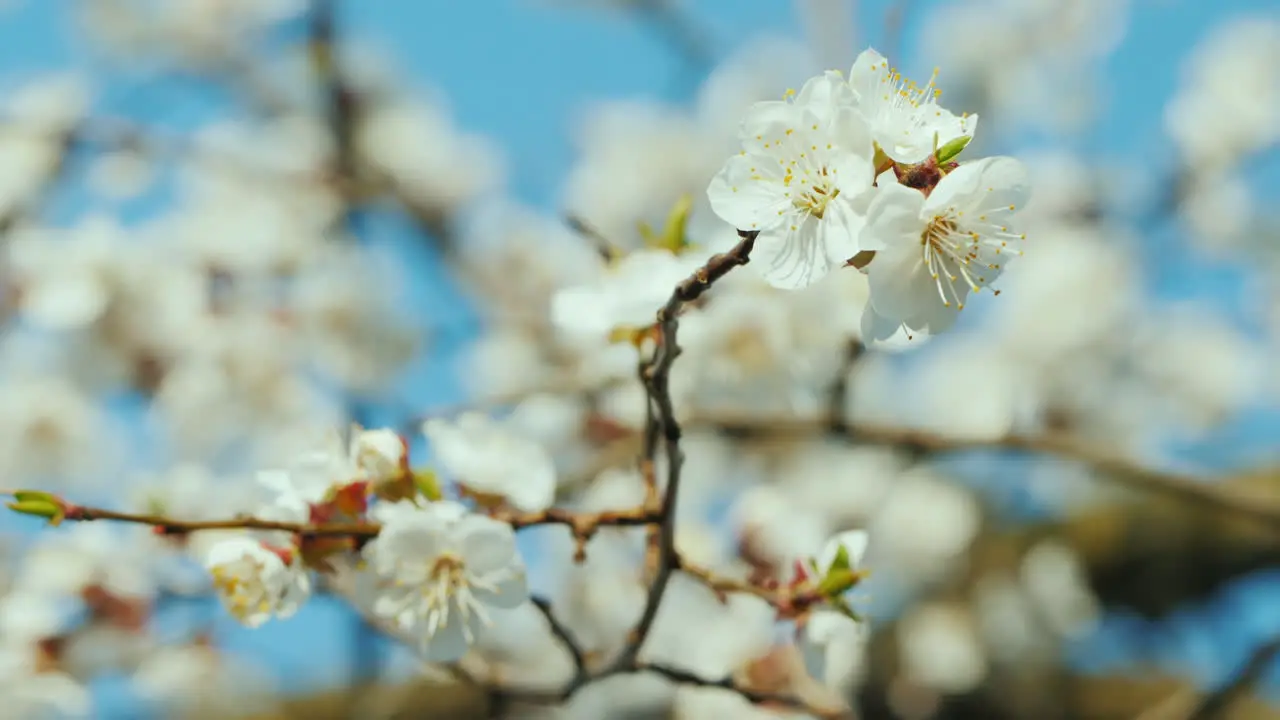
227,223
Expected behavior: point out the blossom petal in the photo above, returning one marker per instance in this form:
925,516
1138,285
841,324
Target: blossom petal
888,334
840,230
487,545
744,196
297,591
505,589
901,286
866,74
449,641
851,130
826,95
854,543
766,119
792,258
893,217
232,550
988,185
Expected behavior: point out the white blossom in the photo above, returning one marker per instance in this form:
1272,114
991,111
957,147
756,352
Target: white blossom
255,583
931,252
905,119
441,570
832,646
309,478
488,458
416,146
941,649
66,283
626,296
39,114
379,454
198,678
1229,103
30,691
800,180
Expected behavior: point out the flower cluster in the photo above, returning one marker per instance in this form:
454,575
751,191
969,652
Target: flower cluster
432,567
860,171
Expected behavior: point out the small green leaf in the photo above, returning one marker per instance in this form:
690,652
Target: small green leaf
50,510
953,148
838,582
428,484
24,495
841,561
673,234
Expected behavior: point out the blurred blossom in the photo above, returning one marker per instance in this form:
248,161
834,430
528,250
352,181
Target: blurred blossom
1054,578
50,429
122,174
1008,619
67,283
499,236
773,530
193,31
1218,210
1199,364
416,148
924,526
636,158
197,678
1228,105
940,648
38,116
34,692
1032,62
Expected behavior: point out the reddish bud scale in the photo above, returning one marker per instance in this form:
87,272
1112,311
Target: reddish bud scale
923,176
352,500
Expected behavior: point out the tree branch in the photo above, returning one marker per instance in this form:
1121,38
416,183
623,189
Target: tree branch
662,424
1204,491
1216,704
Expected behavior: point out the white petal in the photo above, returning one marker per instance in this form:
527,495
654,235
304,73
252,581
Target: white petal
792,259
840,230
766,120
854,543
65,301
449,642
825,95
487,544
850,129
744,202
989,184
510,589
233,550
888,334
296,592
866,73
893,217
901,286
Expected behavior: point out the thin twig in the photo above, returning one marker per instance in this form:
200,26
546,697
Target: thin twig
576,653
656,375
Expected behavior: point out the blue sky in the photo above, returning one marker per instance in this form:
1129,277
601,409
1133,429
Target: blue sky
521,70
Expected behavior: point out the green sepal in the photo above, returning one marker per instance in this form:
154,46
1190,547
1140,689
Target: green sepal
953,148
428,484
